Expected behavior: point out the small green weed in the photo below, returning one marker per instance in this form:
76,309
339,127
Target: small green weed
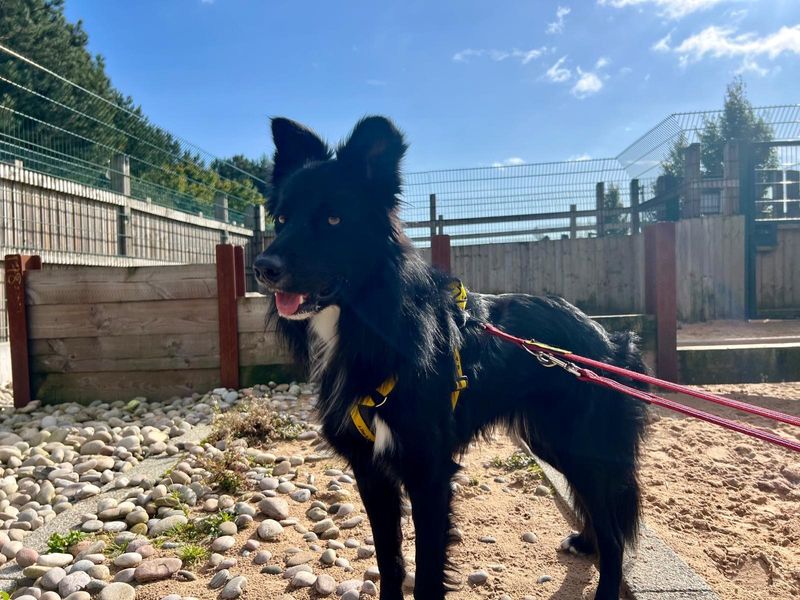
192,554
515,462
62,543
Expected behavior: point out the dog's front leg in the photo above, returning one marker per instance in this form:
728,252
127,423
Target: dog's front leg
428,487
381,496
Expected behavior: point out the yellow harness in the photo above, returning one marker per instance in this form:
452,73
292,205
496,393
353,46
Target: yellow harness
380,395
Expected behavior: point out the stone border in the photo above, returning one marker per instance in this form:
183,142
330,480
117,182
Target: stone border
151,468
655,572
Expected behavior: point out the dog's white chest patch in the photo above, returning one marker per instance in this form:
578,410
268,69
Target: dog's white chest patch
384,440
322,341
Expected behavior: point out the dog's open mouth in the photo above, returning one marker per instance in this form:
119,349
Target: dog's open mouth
292,305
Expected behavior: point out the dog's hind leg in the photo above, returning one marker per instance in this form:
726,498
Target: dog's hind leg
430,494
381,497
611,508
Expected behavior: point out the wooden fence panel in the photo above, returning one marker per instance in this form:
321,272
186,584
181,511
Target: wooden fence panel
601,275
778,273
710,254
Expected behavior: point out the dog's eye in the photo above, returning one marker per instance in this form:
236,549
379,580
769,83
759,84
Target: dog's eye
334,220
281,219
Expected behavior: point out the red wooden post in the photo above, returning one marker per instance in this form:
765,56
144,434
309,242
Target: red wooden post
228,317
661,295
440,252
238,256
17,266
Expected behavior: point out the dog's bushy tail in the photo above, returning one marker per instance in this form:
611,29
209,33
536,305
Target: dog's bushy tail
626,354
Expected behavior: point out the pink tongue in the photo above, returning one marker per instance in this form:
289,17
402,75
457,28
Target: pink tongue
288,303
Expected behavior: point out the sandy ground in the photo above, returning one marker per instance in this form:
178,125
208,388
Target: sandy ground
505,512
728,504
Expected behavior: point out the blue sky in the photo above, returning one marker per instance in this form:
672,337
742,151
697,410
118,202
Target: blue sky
472,83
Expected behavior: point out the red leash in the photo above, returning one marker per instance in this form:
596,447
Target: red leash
556,357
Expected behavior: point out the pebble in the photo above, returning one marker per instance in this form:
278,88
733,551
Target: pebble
372,574
219,579
269,530
54,560
544,579
328,557
262,557
128,559
487,539
325,585
369,588
274,508
223,543
234,588
303,579
155,569
73,582
27,557
529,537
478,577
541,490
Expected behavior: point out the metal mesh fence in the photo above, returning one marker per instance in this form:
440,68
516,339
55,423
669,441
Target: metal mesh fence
533,201
57,127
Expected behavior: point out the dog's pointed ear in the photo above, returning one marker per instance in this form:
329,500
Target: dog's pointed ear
295,145
375,150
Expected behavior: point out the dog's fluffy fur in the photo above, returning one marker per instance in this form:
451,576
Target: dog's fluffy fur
372,309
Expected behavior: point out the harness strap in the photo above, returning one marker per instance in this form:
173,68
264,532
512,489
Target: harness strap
376,398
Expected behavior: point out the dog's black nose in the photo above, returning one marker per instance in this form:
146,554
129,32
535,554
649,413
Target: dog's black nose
268,268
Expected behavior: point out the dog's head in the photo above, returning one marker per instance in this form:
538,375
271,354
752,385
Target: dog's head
334,213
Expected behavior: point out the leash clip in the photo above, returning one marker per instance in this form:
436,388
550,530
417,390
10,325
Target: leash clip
549,361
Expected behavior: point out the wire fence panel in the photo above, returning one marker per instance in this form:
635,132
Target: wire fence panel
57,127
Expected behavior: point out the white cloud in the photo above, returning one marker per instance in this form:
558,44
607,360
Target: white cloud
671,9
579,157
557,73
509,162
749,65
588,84
662,45
557,26
602,62
523,56
725,42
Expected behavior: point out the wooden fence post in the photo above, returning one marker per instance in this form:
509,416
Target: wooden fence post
440,252
634,193
228,317
16,268
600,201
661,295
238,257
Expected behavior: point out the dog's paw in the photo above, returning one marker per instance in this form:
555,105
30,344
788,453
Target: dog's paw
576,544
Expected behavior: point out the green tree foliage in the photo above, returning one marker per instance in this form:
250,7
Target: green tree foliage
615,224
738,122
72,133
676,159
238,167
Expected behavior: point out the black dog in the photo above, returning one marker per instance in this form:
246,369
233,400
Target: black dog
372,321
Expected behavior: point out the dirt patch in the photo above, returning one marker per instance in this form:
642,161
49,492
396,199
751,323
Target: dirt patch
729,505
